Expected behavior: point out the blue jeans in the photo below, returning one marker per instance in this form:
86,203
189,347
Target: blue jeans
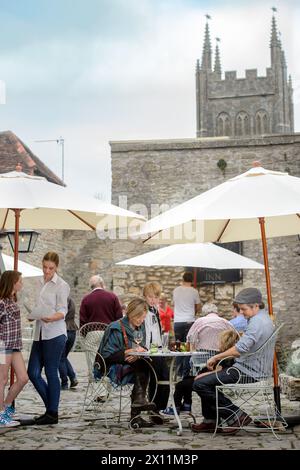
47,353
65,367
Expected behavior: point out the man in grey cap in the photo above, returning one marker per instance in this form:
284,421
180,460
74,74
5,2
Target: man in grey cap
260,328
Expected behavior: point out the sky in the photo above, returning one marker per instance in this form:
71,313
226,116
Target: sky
94,71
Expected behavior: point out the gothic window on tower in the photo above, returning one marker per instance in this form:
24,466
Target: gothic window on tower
262,122
223,124
242,124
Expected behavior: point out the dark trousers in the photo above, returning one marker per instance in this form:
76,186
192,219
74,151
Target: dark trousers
47,353
162,372
206,389
65,367
183,391
181,330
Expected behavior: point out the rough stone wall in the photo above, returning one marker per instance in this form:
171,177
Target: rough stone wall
171,172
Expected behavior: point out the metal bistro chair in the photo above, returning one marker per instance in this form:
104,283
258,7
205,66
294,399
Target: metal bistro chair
90,336
103,396
210,335
253,393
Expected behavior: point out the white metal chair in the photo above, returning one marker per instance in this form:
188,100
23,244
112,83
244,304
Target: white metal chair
90,336
103,396
253,392
207,344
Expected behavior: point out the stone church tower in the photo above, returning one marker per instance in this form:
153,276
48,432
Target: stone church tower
249,106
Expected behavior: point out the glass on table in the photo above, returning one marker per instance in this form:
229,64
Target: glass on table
165,342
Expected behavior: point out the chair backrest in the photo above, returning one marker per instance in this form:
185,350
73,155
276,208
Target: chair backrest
210,337
259,364
90,336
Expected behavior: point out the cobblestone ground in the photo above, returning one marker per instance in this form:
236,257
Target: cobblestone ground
72,432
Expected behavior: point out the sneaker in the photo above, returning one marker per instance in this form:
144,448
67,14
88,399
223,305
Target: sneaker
6,422
73,383
47,419
169,411
186,408
64,386
9,412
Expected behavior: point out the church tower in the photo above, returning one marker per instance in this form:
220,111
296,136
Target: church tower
240,107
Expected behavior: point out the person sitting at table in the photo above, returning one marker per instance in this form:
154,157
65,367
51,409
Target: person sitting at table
184,388
151,293
116,347
238,320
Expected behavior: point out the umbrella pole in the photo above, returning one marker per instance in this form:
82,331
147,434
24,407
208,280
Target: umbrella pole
270,304
16,255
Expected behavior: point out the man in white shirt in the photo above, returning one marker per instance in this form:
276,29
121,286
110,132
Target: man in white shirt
186,304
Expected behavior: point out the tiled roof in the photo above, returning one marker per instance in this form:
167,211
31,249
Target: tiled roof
14,151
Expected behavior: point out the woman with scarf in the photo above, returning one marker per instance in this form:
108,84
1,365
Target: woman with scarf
116,347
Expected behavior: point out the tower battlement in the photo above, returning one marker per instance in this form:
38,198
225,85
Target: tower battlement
238,106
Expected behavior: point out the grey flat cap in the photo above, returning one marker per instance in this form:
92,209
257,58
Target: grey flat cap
250,295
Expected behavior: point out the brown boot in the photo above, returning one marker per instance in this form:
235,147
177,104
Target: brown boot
139,399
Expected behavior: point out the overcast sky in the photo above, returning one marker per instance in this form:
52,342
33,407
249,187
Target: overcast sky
98,70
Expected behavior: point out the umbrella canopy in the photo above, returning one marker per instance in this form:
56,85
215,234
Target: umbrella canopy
205,255
257,204
231,211
26,269
47,205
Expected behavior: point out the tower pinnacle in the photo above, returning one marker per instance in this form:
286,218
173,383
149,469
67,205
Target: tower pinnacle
206,55
217,67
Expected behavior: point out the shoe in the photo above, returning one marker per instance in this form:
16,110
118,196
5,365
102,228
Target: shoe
169,411
64,387
9,412
186,408
240,422
204,427
6,422
155,418
73,383
47,419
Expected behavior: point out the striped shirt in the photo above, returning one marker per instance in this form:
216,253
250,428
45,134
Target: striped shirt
206,330
10,324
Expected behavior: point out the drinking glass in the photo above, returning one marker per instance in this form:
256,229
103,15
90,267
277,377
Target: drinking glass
138,336
165,342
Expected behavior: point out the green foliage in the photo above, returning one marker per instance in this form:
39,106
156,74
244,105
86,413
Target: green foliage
222,164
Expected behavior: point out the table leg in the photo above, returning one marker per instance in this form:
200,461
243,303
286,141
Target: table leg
172,390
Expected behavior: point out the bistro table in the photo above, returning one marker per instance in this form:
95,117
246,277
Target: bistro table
173,378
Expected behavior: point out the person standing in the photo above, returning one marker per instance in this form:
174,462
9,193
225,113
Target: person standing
100,305
166,314
10,346
49,338
65,367
186,304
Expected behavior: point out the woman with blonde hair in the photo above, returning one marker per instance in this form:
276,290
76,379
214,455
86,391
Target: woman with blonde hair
116,347
49,338
10,345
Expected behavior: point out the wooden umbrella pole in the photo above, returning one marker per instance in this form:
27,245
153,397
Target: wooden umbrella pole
270,304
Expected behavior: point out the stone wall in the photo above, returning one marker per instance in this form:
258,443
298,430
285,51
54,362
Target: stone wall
171,172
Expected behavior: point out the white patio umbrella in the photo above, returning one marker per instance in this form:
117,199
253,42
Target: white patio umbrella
33,202
255,205
27,270
204,255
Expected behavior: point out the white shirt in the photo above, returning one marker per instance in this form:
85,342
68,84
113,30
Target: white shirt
185,298
54,295
152,330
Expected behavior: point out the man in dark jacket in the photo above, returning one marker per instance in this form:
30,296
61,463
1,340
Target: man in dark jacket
100,305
